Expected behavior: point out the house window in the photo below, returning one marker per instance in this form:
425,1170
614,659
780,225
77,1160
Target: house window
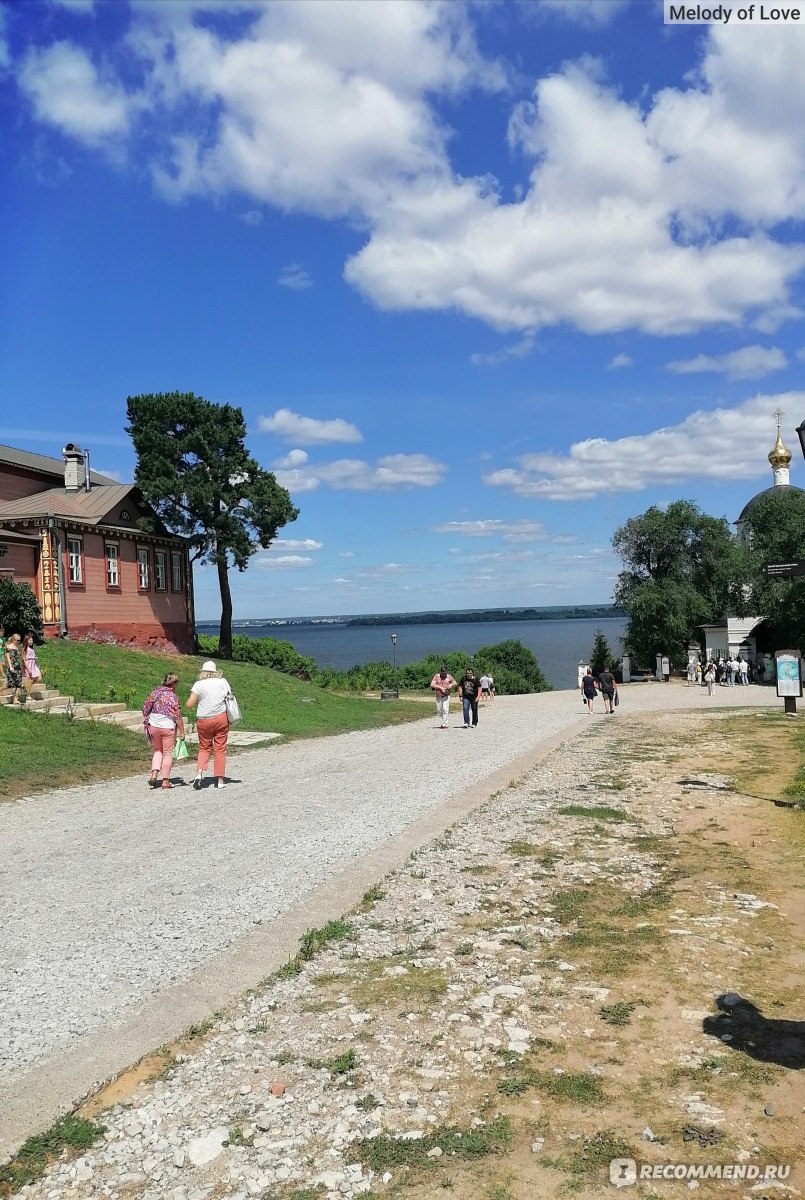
143,569
176,571
161,570
75,560
112,565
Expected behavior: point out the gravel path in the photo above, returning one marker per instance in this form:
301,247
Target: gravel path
112,892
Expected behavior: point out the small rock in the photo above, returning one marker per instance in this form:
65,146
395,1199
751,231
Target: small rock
536,1145
436,1152
769,1110
387,1176
278,1088
203,1150
178,1158
730,999
648,1134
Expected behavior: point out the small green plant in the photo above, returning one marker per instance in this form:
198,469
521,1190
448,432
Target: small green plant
282,1057
341,1065
199,1029
314,940
384,1153
617,1014
548,859
520,849
237,1137
596,1153
71,1133
594,812
367,1103
463,948
290,969
569,904
580,1088
372,895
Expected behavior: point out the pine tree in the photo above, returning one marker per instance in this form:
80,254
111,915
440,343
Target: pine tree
601,657
195,472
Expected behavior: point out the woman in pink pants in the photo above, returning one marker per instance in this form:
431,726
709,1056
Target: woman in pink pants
162,718
209,693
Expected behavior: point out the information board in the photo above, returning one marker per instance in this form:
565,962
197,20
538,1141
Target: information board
789,678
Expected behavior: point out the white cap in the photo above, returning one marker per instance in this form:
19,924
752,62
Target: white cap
209,665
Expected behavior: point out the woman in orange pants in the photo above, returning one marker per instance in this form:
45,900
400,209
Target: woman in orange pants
209,693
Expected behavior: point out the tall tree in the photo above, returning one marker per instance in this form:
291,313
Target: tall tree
681,569
195,472
775,533
601,657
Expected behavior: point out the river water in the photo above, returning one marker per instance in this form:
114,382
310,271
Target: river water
558,645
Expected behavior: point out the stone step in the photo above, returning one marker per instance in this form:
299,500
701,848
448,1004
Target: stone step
56,703
44,693
129,718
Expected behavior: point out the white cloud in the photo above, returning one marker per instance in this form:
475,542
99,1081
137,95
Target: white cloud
290,461
751,362
283,562
724,444
84,7
519,349
618,362
392,472
66,90
296,544
800,354
308,431
252,216
509,531
295,277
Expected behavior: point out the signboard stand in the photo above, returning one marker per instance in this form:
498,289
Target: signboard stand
789,678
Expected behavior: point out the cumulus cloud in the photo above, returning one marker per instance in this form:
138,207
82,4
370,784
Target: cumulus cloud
66,90
660,214
295,277
391,473
308,431
518,349
583,12
619,362
718,445
751,362
252,216
291,460
509,531
283,562
284,544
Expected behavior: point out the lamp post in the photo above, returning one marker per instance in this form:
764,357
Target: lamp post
394,649
801,436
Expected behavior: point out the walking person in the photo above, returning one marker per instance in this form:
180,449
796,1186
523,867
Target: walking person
588,688
486,691
162,718
13,667
31,672
442,684
468,690
609,688
212,723
710,678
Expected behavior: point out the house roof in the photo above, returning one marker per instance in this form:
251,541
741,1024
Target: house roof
90,507
43,463
777,489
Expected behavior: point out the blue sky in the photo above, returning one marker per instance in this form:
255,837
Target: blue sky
485,279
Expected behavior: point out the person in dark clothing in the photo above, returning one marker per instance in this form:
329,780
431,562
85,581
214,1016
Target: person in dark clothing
606,682
469,690
588,688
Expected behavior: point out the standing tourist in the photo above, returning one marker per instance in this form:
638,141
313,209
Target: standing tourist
468,690
210,692
30,666
13,666
606,682
710,678
162,718
442,684
588,688
486,692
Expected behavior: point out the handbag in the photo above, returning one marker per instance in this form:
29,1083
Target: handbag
180,750
617,700
233,712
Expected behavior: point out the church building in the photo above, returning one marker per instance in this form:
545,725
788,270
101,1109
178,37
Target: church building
73,536
737,636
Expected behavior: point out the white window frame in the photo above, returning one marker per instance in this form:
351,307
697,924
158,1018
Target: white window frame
176,570
161,576
143,569
112,565
75,561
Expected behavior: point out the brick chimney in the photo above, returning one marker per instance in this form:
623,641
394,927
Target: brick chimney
73,467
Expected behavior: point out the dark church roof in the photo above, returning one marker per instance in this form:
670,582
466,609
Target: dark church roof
776,489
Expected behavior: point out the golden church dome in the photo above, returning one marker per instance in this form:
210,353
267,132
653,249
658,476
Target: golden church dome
779,455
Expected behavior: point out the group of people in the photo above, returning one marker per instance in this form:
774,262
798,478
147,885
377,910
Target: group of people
20,664
470,691
163,722
725,671
590,686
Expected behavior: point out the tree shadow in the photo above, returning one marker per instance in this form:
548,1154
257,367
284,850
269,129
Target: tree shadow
746,1029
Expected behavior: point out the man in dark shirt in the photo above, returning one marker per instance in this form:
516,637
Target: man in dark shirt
606,681
468,690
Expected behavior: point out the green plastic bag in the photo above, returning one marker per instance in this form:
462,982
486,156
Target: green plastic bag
180,750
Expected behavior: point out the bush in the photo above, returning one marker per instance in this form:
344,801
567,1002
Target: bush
20,611
265,652
515,668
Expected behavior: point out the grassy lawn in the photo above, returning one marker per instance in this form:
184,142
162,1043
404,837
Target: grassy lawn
72,752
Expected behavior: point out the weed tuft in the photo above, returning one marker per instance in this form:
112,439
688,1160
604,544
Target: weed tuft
71,1133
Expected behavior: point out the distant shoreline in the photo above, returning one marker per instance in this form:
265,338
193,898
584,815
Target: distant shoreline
581,612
